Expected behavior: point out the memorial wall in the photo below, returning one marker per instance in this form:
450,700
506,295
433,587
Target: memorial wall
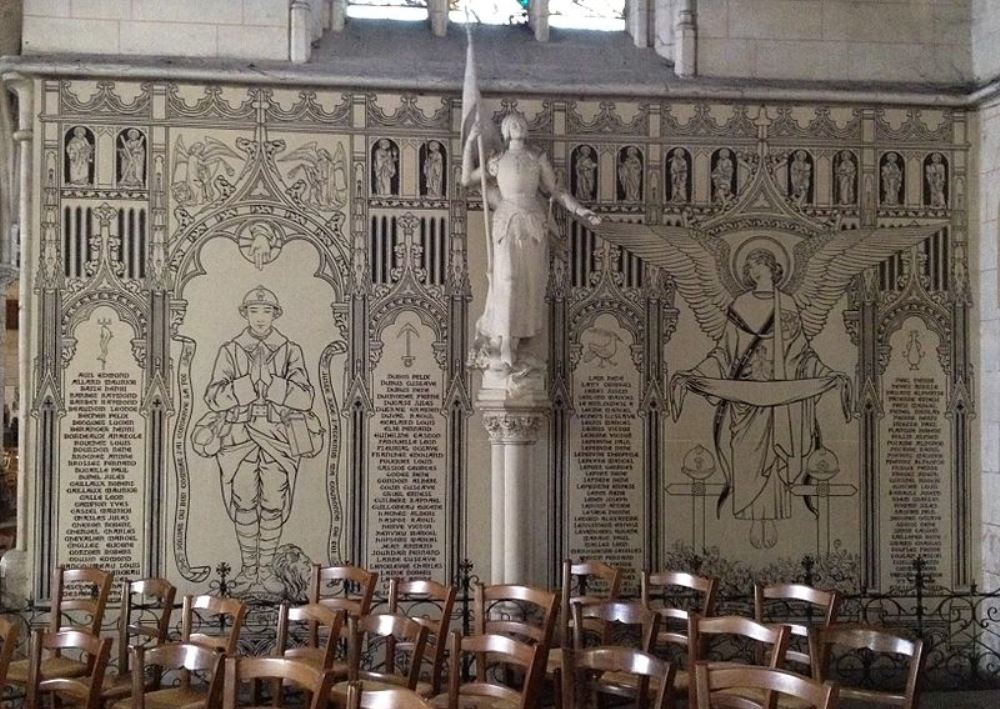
250,312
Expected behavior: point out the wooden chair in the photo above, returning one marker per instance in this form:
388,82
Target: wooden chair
92,587
402,635
150,630
880,640
674,619
796,601
231,613
344,587
491,651
716,684
521,612
314,680
647,672
9,635
397,698
771,641
185,657
431,604
85,689
320,649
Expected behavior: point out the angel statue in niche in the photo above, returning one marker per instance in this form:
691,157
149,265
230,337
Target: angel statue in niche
513,178
763,309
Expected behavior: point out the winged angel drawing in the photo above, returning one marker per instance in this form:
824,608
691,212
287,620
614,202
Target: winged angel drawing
196,168
322,177
762,307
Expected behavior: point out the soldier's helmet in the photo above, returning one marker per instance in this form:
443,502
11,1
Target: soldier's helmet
260,296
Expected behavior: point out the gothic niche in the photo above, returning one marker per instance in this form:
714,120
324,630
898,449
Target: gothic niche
800,177
845,179
79,158
583,173
130,161
723,176
678,182
936,181
892,180
433,175
385,168
630,169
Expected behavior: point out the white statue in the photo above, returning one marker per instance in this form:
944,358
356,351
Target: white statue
132,155
846,173
800,175
386,157
586,174
434,170
81,156
630,174
722,176
892,180
678,176
937,177
515,303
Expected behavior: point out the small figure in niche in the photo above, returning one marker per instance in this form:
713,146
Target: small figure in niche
846,177
385,167
630,174
722,176
800,175
434,170
132,159
80,151
586,174
892,180
678,176
936,174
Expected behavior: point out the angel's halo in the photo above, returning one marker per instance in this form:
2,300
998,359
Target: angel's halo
768,243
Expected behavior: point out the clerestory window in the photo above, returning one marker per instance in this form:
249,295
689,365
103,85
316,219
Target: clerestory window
607,15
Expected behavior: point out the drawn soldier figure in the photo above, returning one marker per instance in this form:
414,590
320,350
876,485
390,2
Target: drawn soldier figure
586,174
722,176
259,427
892,180
384,167
678,176
846,174
81,154
132,158
800,175
630,174
936,176
434,170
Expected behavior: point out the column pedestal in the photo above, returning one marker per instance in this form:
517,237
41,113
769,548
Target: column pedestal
513,423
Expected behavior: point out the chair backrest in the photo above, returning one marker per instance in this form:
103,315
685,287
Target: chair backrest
578,585
491,650
9,636
579,665
153,618
315,680
399,698
401,634
429,603
231,613
321,647
797,602
176,656
343,587
775,683
771,640
87,689
878,640
673,628
607,614
520,612
91,605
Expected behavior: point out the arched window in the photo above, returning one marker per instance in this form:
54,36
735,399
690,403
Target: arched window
608,15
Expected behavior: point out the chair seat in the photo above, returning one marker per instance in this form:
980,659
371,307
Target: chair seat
17,671
167,698
625,680
471,702
424,689
757,695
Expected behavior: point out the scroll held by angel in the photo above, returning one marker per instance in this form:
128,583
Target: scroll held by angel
514,178
762,307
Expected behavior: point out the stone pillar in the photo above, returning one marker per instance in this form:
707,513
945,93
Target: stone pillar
438,11
639,21
685,40
513,423
338,15
300,32
538,18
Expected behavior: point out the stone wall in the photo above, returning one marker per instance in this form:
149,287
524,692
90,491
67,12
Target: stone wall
251,29
165,211
985,40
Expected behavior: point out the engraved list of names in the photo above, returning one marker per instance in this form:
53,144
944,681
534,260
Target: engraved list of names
915,458
101,453
605,496
406,519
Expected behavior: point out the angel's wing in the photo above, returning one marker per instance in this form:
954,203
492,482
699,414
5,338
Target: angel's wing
695,270
824,266
215,148
308,152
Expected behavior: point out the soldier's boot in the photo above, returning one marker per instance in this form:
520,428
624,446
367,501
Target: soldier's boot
270,535
247,535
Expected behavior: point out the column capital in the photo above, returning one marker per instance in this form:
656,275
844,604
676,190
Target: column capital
514,426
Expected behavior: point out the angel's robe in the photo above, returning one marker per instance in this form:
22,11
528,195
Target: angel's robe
764,383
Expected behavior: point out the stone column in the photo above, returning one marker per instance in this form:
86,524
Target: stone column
685,40
300,31
513,423
438,12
